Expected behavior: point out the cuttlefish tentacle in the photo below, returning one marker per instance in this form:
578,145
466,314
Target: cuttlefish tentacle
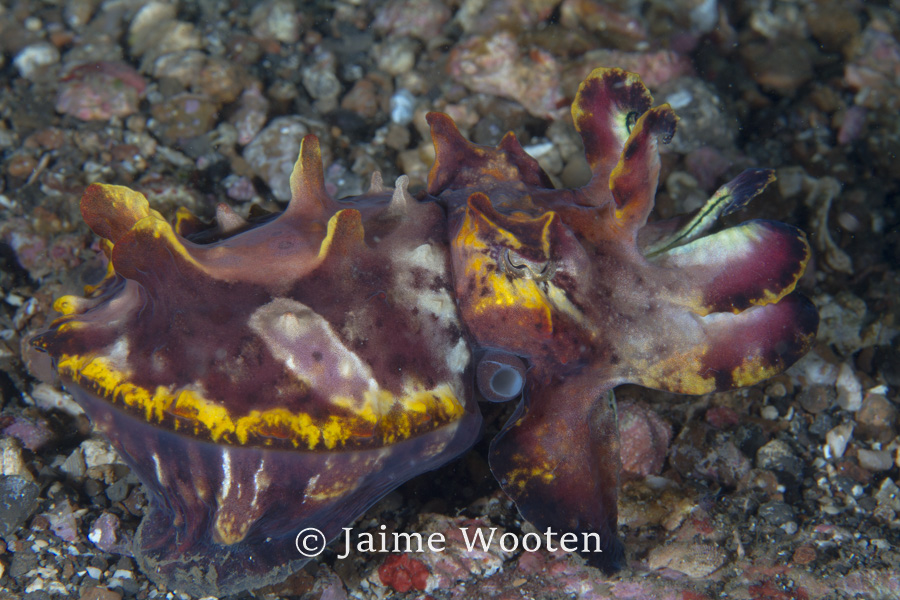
558,459
606,108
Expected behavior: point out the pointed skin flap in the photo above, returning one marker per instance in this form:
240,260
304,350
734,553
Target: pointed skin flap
461,164
308,196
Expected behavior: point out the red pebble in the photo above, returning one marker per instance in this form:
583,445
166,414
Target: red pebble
769,590
722,417
403,573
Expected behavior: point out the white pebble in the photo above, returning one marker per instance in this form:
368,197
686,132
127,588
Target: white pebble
679,99
838,438
849,389
875,460
35,56
814,369
39,545
98,453
769,413
49,398
403,104
12,462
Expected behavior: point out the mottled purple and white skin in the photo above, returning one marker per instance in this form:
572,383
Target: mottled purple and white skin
269,376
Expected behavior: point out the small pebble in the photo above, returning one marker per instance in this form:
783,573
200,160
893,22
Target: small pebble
63,522
423,19
781,67
778,456
320,80
33,434
77,13
18,500
155,31
776,513
276,19
875,460
98,453
817,398
74,465
185,116
722,417
239,188
849,389
776,389
396,56
21,166
838,438
181,67
100,593
804,554
877,418
104,533
769,412
644,440
220,80
403,105
250,117
12,463
33,58
363,98
694,560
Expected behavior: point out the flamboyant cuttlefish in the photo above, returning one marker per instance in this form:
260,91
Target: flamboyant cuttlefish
266,376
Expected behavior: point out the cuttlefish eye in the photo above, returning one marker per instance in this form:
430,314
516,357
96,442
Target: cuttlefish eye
500,376
516,264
